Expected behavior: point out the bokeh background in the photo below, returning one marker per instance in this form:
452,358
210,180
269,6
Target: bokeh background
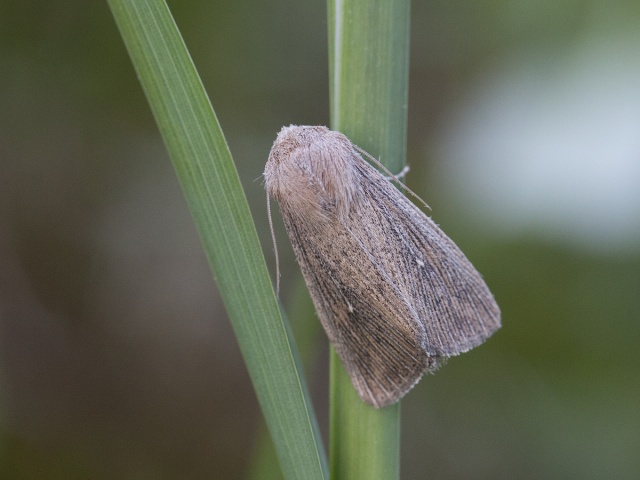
116,357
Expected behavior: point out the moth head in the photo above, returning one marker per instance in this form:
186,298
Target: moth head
311,171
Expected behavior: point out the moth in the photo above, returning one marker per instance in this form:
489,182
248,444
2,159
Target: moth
394,294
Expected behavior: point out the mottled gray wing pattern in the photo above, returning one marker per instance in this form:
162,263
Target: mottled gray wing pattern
380,343
421,300
449,296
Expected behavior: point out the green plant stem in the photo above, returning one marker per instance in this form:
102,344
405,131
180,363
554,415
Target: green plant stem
368,63
219,208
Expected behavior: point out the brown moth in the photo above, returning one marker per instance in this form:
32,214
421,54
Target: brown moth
395,295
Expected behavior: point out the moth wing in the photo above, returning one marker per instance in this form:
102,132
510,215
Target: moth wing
395,295
378,337
449,296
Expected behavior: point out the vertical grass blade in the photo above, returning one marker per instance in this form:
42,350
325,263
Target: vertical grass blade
213,192
368,64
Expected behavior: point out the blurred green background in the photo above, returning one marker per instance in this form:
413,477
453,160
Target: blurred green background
116,358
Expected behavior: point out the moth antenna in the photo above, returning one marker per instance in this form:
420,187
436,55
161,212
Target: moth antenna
275,246
396,178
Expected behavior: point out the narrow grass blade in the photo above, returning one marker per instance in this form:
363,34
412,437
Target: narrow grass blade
211,186
369,58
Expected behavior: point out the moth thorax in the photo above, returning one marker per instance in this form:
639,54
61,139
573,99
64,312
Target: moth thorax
311,172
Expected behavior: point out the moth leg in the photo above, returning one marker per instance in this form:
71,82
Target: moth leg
400,175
